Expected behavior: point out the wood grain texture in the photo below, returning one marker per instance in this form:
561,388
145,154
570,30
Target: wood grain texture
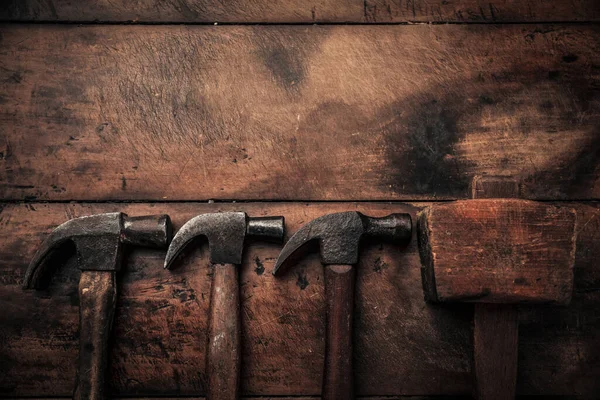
224,348
338,373
506,251
97,303
390,11
493,187
402,345
495,348
187,11
247,11
293,112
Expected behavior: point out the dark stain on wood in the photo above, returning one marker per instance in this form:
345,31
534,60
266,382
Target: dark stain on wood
260,267
434,135
286,65
379,265
422,146
302,281
16,77
188,10
536,115
569,58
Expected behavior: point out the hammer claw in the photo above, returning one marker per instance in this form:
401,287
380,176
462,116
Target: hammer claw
188,232
39,266
298,245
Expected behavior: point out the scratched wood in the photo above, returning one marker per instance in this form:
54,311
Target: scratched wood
297,112
402,345
246,11
464,11
505,251
186,11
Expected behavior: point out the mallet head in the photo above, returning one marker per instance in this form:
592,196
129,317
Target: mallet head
226,233
98,241
505,251
339,235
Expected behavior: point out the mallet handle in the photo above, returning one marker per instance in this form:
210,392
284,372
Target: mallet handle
97,299
495,341
495,326
224,335
338,382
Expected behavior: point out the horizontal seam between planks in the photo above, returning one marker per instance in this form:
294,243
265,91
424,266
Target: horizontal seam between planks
402,23
237,201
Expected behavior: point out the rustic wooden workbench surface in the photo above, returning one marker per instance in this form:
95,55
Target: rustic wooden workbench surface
297,109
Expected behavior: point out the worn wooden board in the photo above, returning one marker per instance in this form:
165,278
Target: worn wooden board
402,345
390,11
289,11
187,11
297,113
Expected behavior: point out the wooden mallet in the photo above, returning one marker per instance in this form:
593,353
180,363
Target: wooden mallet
501,251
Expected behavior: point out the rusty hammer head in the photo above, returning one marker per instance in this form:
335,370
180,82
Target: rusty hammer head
98,241
339,235
226,233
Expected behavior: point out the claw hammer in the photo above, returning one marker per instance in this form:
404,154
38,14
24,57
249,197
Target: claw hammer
339,236
226,233
99,241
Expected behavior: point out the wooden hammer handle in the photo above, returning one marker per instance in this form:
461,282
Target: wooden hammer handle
97,299
338,382
224,335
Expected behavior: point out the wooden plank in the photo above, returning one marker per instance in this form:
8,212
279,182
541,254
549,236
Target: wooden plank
402,345
292,112
289,11
187,11
390,11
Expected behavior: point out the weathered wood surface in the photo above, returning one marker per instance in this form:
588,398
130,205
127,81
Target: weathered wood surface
290,11
402,345
293,112
192,11
383,11
506,251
